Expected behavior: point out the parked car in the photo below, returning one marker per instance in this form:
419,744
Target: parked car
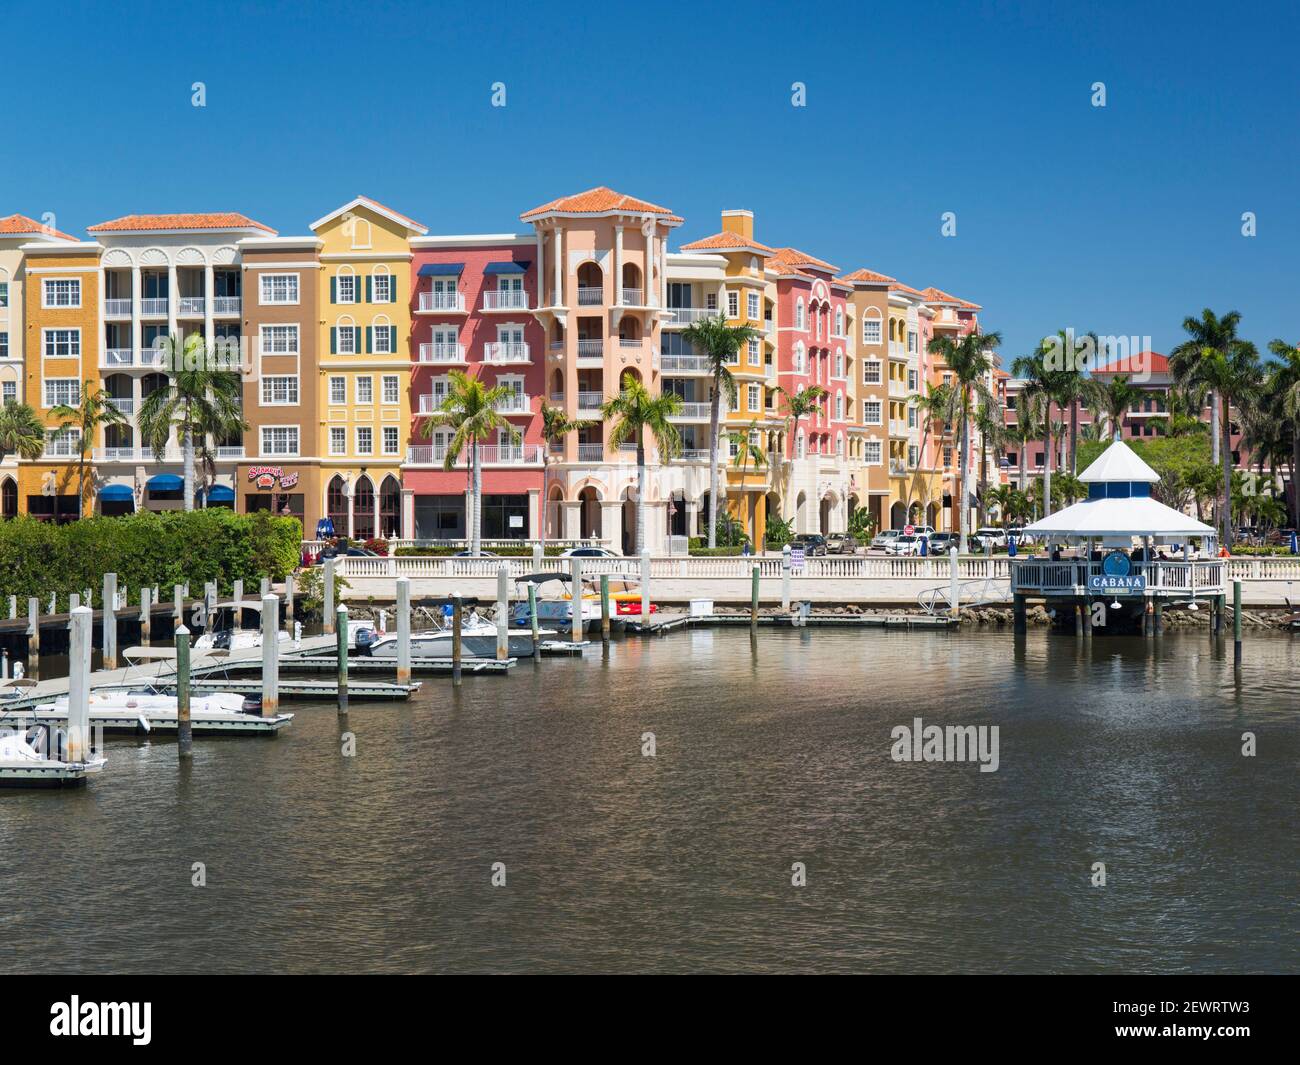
989,536
337,552
812,544
470,554
842,544
885,537
907,545
589,552
942,542
1023,539
923,530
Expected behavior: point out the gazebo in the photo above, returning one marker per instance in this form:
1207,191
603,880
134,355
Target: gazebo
1118,529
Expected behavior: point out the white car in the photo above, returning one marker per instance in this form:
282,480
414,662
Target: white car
905,545
885,537
989,536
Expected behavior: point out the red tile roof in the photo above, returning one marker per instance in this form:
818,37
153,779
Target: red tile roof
600,200
727,242
135,223
1140,362
20,225
937,295
794,258
898,286
868,275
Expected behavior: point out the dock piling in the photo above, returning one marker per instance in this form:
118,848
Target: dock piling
266,587
1020,621
178,604
33,635
110,621
457,614
209,605
146,615
237,594
328,581
954,590
538,554
1158,622
341,628
13,608
74,602
503,612
403,611
288,597
645,585
532,617
753,595
604,609
575,599
785,579
184,727
78,749
1236,623
270,654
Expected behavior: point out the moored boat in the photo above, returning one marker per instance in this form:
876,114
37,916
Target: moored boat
32,757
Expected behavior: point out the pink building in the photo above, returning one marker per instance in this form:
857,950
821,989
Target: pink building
472,310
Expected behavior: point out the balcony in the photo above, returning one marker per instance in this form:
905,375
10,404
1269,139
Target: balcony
515,403
897,468
193,306
442,303
230,452
130,453
631,345
118,357
590,401
593,350
896,350
632,297
591,452
503,354
769,327
124,405
694,412
153,308
684,364
696,454
505,300
442,353
224,306
151,357
897,427
590,296
897,388
117,308
488,455
690,315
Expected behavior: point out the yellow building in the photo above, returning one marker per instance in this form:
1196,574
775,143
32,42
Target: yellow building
364,364
61,353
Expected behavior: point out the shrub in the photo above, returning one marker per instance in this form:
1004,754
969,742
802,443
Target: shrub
550,551
779,532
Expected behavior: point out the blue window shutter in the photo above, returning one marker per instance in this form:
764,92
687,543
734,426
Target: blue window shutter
334,290
334,340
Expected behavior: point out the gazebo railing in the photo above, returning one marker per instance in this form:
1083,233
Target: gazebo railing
1070,577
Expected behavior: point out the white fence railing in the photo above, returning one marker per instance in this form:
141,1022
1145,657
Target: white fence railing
1070,577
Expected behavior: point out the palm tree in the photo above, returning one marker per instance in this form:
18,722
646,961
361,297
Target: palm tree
556,425
991,423
1228,371
470,411
1284,393
634,411
968,359
746,450
1043,387
719,344
1022,434
202,396
1114,400
1004,498
805,403
93,410
22,432
934,409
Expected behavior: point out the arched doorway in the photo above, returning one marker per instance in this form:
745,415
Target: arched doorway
801,513
897,515
390,507
589,514
554,517
932,516
336,506
825,511
629,521
9,499
363,509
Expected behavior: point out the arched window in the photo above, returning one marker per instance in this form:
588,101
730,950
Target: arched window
390,507
9,499
799,320
336,507
363,509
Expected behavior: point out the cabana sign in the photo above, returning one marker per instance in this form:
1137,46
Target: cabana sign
1117,576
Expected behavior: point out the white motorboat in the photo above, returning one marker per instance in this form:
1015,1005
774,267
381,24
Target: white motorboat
225,634
27,761
151,710
478,640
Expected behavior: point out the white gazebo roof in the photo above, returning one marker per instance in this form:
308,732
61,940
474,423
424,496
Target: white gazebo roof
1119,462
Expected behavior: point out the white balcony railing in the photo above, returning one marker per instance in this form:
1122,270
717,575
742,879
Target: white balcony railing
690,315
488,455
500,352
442,301
118,357
515,403
154,308
130,453
193,305
632,297
591,452
151,357
505,300
897,388
630,345
230,451
223,305
590,295
590,400
442,353
124,405
591,349
896,350
694,412
117,308
683,364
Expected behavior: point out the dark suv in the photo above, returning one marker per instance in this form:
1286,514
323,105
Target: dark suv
810,543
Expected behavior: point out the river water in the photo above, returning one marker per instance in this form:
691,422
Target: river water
768,753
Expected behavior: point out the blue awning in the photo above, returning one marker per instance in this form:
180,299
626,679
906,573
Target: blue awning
506,268
221,494
117,493
165,482
441,269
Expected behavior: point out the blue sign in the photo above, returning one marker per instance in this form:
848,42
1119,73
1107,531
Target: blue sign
1117,576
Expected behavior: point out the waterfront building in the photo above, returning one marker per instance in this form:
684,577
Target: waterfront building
869,389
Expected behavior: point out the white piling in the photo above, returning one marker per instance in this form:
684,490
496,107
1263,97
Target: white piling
110,621
79,684
403,630
785,579
146,615
645,586
74,601
178,604
328,606
266,587
538,555
33,634
237,594
288,596
503,612
13,608
575,598
954,592
270,654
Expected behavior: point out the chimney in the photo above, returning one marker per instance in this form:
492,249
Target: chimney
739,221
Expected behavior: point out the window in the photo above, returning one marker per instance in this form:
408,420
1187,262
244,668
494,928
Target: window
710,301
279,339
839,406
381,339
279,288
62,443
871,330
338,440
733,304
799,366
800,322
61,292
280,391
338,389
4,345
381,289
751,301
62,390
390,440
947,457
913,455
911,341
390,386
913,381
871,453
279,440
9,392
871,372
754,398
911,417
62,343
4,293
871,412
839,364
365,440
799,445
345,289
365,389
839,321
753,351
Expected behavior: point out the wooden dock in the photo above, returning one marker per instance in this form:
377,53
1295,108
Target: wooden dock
660,624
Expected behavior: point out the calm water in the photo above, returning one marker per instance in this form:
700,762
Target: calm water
315,862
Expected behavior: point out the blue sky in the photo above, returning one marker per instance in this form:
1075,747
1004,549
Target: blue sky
1120,219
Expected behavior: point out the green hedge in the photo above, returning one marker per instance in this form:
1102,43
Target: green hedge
168,548
503,552
1261,550
713,552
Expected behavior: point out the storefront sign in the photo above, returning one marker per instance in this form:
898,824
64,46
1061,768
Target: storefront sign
1117,576
269,476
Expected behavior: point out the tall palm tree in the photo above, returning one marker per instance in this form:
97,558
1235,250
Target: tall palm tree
933,407
1034,407
747,451
1023,433
1229,373
719,344
470,411
556,425
1214,333
805,403
1284,393
94,409
22,432
634,411
991,423
968,359
1114,400
202,396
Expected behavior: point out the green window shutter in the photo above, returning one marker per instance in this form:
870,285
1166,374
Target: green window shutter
334,340
370,296
370,338
392,339
334,290
357,332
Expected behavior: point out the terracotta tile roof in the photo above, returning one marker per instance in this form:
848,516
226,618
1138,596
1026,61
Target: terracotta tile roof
867,275
898,286
600,200
21,225
728,242
937,295
134,223
1140,362
793,257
